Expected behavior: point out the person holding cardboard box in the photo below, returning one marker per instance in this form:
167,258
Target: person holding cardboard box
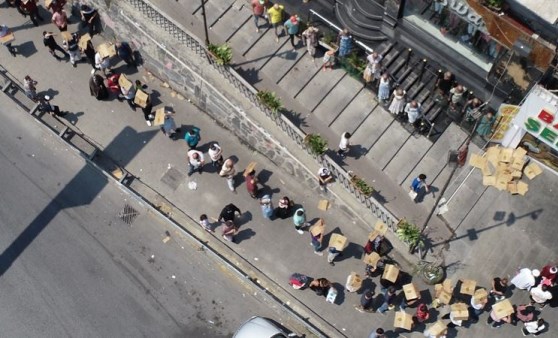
389,298
317,235
7,37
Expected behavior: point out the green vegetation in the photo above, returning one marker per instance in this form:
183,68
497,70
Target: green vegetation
270,100
222,53
316,144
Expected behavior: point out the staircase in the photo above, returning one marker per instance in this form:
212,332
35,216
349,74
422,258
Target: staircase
363,18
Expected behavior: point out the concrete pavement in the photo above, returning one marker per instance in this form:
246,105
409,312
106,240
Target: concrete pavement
278,249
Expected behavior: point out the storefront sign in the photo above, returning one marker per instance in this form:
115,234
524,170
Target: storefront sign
545,126
462,9
504,117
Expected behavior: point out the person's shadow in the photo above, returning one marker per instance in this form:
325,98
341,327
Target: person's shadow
244,235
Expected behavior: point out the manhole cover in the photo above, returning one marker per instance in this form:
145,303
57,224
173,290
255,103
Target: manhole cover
128,214
173,178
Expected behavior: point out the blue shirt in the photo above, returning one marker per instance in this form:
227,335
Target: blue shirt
291,27
417,184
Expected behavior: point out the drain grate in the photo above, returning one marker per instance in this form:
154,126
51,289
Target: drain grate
128,214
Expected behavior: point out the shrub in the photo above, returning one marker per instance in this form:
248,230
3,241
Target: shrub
316,144
270,100
222,53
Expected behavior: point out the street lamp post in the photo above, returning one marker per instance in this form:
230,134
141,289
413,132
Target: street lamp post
204,23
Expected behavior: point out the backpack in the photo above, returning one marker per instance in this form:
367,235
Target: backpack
298,280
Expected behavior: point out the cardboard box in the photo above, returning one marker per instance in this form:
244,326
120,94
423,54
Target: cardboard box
522,188
371,259
66,36
381,228
391,272
338,241
532,170
505,155
493,154
517,164
48,3
501,182
251,166
403,320
447,285
411,292
106,50
489,180
477,161
323,205
503,308
438,328
512,187
82,43
10,37
159,116
372,236
444,297
459,311
354,282
480,294
488,169
468,287
519,153
517,174
123,82
141,98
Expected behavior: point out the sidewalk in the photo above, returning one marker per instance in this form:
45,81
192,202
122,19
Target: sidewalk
274,247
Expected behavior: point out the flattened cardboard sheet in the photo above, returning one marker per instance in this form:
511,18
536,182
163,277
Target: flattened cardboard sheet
503,308
468,287
338,241
391,272
371,259
532,170
403,320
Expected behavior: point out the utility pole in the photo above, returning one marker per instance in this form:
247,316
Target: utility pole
204,23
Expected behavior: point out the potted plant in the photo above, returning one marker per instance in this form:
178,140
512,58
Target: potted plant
409,233
316,144
221,53
328,41
495,5
270,100
361,185
354,64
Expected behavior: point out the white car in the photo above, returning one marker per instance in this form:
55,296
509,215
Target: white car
259,327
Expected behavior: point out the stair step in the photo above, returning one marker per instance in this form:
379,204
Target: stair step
360,32
369,9
423,95
390,57
385,47
410,79
397,67
415,90
360,19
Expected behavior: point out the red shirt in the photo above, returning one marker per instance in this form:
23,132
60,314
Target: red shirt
257,7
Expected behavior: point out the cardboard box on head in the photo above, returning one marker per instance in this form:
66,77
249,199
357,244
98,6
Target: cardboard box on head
354,282
159,116
66,36
371,259
251,166
468,287
411,292
391,272
338,242
106,50
503,308
480,294
532,170
318,228
141,98
460,311
83,40
381,228
403,320
124,82
437,329
10,37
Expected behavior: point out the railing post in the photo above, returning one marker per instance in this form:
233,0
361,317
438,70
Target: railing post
422,68
408,59
431,129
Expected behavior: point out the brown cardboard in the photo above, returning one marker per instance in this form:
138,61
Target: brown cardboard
532,170
505,155
82,43
403,320
477,161
318,228
124,83
447,285
141,98
488,169
411,292
323,205
251,166
354,282
492,154
512,187
338,241
66,36
517,174
459,311
468,287
371,259
519,153
522,188
517,164
437,329
480,294
159,116
444,297
381,228
372,236
106,50
489,180
501,182
7,38
48,3
503,308
391,272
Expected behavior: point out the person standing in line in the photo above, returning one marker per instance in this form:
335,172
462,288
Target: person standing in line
549,272
499,288
228,171
128,94
195,161
329,60
169,126
457,95
251,183
72,48
299,220
344,145
378,333
275,14
283,209
292,26
383,88
317,236
422,314
97,86
332,253
398,102
445,83
267,206
525,278
324,177
496,322
50,43
413,111
29,87
204,223
310,39
229,213
366,301
216,155
29,7
60,20
486,122
147,111
4,32
193,137
534,327
125,53
540,295
89,17
389,297
345,42
102,63
374,67
258,11
89,52
477,306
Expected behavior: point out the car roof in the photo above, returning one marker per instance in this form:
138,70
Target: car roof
258,327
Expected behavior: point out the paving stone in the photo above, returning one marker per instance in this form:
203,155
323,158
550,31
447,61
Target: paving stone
266,48
173,178
282,62
355,114
407,157
298,76
373,128
319,87
214,9
386,147
225,27
334,103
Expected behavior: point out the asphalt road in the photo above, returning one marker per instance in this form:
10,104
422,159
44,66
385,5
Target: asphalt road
69,266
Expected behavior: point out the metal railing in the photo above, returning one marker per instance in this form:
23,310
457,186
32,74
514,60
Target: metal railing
250,93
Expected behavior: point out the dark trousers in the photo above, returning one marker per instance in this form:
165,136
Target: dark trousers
292,37
55,47
35,17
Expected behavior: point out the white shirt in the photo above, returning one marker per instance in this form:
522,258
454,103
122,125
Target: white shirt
344,144
475,305
196,162
533,327
215,155
539,295
524,279
412,113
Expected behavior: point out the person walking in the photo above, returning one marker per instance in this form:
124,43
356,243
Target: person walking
229,213
192,137
534,327
251,183
384,88
344,145
417,184
299,220
216,155
46,107
7,37
324,177
228,171
413,110
457,96
345,43
373,67
275,14
50,43
89,17
310,39
72,47
332,253
229,231
499,288
29,87
366,301
29,7
397,104
389,297
60,20
125,53
292,26
97,86
258,11
195,161
169,126
317,235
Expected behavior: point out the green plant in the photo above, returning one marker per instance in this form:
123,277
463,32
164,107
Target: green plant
409,233
270,100
329,38
361,185
222,53
316,144
494,3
